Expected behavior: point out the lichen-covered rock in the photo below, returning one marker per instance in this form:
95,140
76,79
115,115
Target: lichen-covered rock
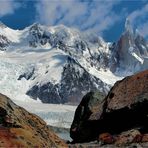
106,138
145,138
127,137
19,128
124,108
128,92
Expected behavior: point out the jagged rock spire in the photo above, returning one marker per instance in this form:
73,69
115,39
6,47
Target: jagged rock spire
128,26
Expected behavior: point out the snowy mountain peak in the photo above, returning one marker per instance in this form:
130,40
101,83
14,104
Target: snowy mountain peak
128,26
130,54
37,58
35,26
2,25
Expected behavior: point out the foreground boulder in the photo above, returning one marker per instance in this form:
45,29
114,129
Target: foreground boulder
19,128
124,108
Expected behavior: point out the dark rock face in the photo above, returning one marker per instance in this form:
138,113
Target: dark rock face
38,36
75,82
124,108
27,75
47,93
83,128
19,128
4,42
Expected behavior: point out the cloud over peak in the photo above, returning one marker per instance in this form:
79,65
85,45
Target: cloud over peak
139,18
104,17
92,15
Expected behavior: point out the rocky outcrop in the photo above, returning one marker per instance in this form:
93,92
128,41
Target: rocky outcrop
128,139
19,128
88,111
124,108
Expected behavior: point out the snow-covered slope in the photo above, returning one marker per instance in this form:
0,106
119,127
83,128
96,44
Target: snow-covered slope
60,64
52,76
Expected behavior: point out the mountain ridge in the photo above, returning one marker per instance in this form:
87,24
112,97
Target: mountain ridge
42,53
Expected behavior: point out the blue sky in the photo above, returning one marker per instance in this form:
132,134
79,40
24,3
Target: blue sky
104,17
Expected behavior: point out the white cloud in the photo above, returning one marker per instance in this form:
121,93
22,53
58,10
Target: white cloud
139,18
95,16
143,29
8,7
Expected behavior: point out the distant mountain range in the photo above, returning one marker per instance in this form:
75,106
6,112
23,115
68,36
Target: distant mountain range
58,64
